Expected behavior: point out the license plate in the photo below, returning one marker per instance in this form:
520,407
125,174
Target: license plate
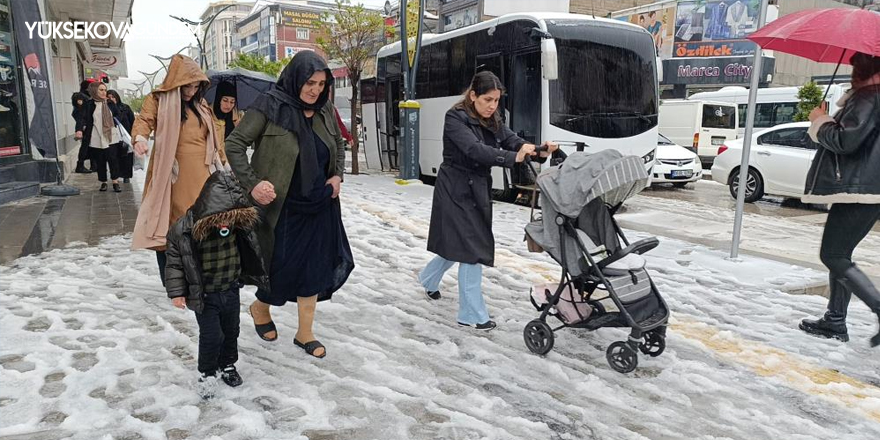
718,141
682,173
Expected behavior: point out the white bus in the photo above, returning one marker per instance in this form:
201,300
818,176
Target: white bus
775,105
585,82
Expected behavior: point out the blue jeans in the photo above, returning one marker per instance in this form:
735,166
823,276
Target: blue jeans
471,307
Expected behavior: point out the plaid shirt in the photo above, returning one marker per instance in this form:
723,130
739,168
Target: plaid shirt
221,266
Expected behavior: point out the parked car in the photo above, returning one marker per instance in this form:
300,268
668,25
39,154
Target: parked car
778,164
675,164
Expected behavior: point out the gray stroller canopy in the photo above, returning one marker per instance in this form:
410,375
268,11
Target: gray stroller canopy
578,188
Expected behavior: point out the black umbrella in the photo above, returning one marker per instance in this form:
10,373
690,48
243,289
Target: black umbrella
248,84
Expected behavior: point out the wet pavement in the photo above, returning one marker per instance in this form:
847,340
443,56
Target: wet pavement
717,195
43,223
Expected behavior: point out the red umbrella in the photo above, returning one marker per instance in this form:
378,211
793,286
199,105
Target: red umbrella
823,35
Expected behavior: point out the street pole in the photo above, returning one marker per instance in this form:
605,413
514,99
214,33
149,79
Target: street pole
747,140
410,45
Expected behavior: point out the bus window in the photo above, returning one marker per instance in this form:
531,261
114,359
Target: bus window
525,91
784,112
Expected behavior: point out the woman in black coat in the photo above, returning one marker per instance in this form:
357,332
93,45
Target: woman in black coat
98,132
474,140
126,117
846,173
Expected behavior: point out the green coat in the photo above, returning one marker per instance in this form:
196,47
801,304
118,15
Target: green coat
274,159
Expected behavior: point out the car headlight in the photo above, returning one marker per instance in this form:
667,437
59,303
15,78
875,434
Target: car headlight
648,158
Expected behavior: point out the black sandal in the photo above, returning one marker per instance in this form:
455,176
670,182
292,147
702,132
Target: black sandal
310,347
262,329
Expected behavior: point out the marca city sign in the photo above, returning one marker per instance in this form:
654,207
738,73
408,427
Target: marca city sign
736,70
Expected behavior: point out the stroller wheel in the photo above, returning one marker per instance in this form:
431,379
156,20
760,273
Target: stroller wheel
538,336
653,343
621,357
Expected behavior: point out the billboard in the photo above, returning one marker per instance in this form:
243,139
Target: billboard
712,71
660,23
714,28
300,18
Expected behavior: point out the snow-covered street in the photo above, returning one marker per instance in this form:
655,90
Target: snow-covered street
93,349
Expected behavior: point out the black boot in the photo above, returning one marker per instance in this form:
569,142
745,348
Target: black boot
833,324
81,168
858,283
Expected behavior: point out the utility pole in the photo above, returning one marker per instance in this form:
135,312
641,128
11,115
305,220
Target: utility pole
411,12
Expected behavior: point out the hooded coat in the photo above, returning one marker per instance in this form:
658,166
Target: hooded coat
222,202
184,155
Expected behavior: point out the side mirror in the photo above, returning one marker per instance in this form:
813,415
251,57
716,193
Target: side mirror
549,59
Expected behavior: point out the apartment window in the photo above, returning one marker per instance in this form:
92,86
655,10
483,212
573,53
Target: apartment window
302,34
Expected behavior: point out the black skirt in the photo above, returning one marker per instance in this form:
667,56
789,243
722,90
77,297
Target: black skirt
312,255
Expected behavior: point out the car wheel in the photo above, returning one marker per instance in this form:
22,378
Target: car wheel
754,185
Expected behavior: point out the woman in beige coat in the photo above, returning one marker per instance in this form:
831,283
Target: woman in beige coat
188,148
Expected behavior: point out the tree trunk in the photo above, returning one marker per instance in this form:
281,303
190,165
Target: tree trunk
355,111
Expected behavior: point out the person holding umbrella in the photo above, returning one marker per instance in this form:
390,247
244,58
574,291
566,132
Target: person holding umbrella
846,173
225,111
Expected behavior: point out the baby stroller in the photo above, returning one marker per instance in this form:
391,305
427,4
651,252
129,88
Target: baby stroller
603,283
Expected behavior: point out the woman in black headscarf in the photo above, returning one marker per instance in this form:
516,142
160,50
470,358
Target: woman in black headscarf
225,110
296,173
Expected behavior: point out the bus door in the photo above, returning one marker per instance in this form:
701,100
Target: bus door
524,92
390,131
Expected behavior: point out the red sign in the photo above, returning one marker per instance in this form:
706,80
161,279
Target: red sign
10,151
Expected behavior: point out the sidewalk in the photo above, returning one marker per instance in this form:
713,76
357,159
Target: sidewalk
793,240
43,223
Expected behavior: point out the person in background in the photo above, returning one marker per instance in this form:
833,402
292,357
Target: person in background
78,100
125,116
846,173
342,128
98,131
225,112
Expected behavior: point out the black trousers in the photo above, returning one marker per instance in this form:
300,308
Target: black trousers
126,161
161,259
103,158
846,227
218,331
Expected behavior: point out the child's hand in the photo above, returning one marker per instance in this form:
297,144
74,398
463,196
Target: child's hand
179,302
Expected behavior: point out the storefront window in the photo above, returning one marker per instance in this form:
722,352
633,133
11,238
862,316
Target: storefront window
10,104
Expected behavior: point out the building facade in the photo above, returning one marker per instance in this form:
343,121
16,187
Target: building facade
220,36
279,30
37,78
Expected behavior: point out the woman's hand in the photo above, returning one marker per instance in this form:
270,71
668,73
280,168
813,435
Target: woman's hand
78,135
525,150
264,192
141,148
179,302
551,148
817,113
336,182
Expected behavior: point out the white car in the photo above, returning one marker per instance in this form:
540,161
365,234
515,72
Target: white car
675,164
778,164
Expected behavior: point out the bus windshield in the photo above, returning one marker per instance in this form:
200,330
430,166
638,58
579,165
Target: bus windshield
607,83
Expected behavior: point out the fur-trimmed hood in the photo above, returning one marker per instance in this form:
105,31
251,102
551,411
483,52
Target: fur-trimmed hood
222,202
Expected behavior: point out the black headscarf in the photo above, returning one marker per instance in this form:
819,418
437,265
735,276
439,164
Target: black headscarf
282,106
225,88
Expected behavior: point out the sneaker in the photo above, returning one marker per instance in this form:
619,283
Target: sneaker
206,387
117,188
81,169
486,326
103,186
432,295
230,376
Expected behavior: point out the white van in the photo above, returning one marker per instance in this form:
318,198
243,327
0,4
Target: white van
701,125
775,105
